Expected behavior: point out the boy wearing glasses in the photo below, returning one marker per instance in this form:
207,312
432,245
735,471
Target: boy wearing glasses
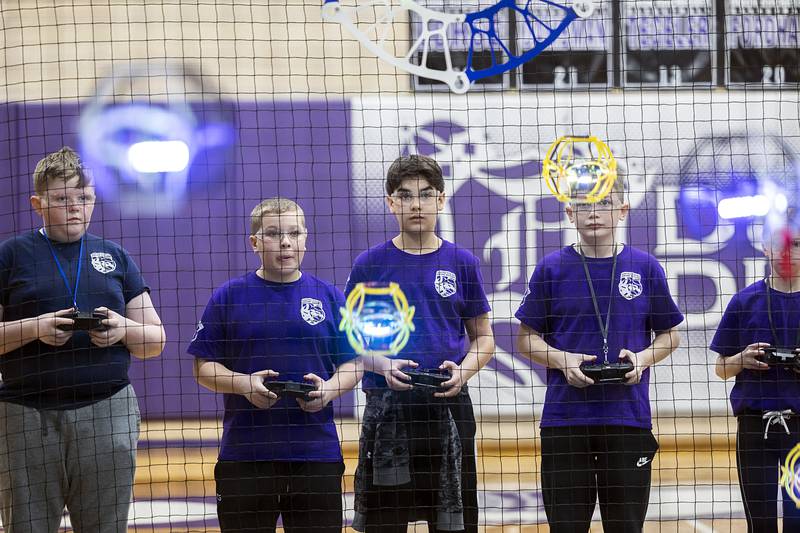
763,320
417,447
280,455
593,302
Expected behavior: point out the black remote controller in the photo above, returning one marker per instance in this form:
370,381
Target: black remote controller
607,372
779,357
428,379
84,321
293,389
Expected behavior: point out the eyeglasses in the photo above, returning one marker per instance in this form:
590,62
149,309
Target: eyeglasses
602,205
61,200
425,197
277,236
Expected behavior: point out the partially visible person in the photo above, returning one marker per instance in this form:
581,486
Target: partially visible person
766,397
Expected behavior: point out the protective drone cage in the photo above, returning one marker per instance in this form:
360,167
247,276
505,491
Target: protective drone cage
436,26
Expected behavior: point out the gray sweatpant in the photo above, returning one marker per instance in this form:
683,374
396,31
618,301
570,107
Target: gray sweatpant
84,459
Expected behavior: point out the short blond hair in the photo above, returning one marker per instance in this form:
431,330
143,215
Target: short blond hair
64,164
620,187
273,206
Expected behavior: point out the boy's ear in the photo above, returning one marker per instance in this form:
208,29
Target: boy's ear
389,203
254,243
570,212
440,201
36,203
624,210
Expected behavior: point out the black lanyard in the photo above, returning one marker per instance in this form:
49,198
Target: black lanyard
775,337
603,327
74,294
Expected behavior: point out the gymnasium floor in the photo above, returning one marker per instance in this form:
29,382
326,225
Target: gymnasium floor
694,482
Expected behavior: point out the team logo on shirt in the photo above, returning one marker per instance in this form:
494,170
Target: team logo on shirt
311,310
630,285
445,283
103,262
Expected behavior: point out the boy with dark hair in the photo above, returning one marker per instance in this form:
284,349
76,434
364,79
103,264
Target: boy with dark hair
69,418
766,397
593,302
417,449
280,455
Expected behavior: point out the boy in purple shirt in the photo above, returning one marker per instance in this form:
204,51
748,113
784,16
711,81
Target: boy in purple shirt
280,455
592,302
417,449
765,398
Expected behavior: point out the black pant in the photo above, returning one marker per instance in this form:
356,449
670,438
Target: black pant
582,463
390,509
757,461
252,494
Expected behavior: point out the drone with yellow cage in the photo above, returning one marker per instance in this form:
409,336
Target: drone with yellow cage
586,174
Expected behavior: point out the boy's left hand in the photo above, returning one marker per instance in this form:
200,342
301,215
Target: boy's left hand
454,384
114,328
634,376
319,398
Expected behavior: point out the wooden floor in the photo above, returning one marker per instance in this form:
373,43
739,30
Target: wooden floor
694,477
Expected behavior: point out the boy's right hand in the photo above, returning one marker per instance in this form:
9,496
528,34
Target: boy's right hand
391,371
47,327
570,365
751,355
252,387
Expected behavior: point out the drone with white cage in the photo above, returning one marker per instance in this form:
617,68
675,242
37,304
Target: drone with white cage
371,23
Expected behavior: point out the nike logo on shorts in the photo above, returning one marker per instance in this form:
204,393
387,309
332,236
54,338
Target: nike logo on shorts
642,461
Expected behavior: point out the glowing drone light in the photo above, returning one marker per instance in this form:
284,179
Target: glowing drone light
437,26
141,145
377,319
790,476
574,177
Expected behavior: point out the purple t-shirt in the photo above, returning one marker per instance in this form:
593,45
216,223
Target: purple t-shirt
445,287
745,322
559,306
251,324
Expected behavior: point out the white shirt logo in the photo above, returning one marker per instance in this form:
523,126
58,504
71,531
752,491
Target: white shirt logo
630,285
312,311
445,283
103,262
642,461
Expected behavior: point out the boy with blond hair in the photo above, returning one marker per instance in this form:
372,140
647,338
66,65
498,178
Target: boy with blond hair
69,418
280,455
597,301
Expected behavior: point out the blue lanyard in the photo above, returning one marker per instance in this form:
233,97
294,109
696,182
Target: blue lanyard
61,270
